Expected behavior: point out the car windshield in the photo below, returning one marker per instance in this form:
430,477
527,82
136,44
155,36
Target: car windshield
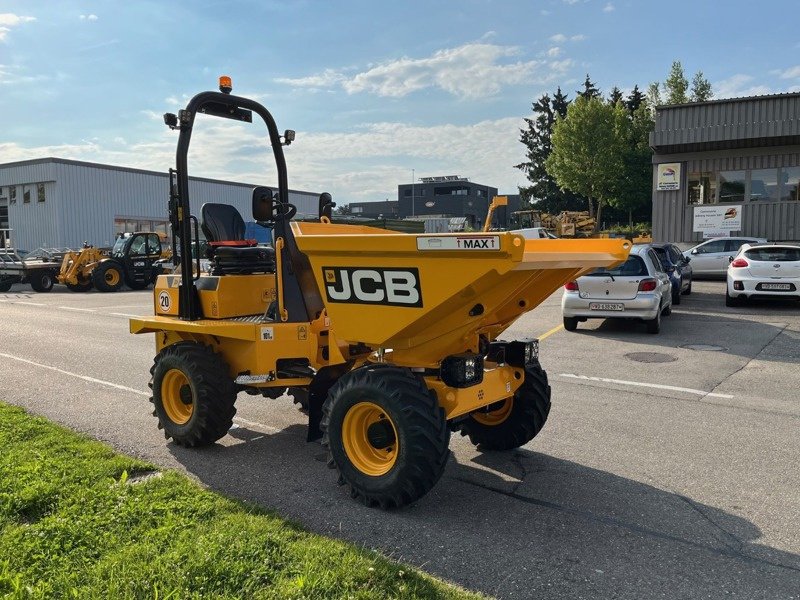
778,254
117,251
632,267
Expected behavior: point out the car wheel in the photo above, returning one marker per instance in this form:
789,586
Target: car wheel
732,300
654,325
688,290
676,298
570,323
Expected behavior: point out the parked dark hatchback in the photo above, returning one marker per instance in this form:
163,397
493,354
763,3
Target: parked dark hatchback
677,267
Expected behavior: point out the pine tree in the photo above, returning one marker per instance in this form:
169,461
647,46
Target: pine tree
614,96
701,88
589,89
634,100
676,85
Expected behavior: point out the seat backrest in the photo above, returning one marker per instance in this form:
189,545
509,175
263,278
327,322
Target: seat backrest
221,222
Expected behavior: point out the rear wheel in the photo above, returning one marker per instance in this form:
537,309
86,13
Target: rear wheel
107,276
688,290
5,284
386,435
193,394
676,297
654,325
732,300
570,323
41,280
135,284
514,421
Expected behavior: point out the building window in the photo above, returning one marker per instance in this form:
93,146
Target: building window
764,185
790,187
356,209
26,194
701,188
12,194
40,192
422,192
732,186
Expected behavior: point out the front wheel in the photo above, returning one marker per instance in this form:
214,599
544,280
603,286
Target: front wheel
386,435
515,421
193,394
107,276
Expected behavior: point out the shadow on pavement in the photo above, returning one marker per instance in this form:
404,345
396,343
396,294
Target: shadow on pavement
515,525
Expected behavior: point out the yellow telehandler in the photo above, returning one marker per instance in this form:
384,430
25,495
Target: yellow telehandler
393,336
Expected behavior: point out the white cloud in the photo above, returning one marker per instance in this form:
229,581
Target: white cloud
577,38
558,38
366,164
89,17
472,70
9,21
561,66
571,2
553,52
545,12
737,86
791,73
608,8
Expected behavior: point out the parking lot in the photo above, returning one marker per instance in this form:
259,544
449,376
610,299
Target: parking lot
668,466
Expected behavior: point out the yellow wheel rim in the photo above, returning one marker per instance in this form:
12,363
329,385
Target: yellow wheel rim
496,416
112,277
177,396
370,439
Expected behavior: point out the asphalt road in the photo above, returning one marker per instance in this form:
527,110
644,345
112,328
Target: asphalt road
671,479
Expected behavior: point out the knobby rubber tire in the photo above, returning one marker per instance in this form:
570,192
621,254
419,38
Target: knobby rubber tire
528,415
213,391
99,276
84,286
41,280
422,434
137,285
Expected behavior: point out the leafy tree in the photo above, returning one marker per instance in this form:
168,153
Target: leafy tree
701,88
589,89
634,100
343,209
536,136
676,84
615,95
634,190
588,146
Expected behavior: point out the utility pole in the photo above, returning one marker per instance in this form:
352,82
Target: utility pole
413,178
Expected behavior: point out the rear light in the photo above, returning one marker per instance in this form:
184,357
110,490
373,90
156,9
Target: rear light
740,262
647,285
571,286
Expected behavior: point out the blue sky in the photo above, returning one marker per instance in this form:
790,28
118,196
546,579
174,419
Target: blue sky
373,89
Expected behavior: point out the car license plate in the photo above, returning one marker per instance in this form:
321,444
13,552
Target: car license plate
606,306
778,287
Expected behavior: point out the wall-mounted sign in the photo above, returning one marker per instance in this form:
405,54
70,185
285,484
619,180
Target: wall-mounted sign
717,221
668,176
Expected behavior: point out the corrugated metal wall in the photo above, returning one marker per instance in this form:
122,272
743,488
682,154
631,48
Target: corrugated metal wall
777,221
750,118
83,200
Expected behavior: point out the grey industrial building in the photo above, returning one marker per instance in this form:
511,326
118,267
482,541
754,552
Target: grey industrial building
727,167
56,203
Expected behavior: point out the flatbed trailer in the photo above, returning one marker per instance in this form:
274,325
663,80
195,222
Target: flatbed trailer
38,269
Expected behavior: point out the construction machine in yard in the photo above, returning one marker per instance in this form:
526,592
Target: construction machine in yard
132,262
394,337
37,268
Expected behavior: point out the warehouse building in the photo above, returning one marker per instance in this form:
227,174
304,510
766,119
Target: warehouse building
57,203
727,167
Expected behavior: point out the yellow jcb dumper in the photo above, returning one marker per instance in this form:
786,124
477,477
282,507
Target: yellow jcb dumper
394,337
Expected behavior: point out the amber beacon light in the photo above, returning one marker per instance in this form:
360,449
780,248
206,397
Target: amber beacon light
225,84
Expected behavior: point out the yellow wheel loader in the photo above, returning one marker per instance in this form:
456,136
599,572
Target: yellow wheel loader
392,337
133,261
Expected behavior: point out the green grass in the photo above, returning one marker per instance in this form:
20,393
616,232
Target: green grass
72,525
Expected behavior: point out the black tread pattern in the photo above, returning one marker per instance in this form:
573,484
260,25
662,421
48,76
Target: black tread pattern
528,416
99,276
81,286
41,281
214,393
421,424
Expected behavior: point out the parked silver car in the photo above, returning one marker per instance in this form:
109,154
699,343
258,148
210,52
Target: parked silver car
764,271
711,258
637,289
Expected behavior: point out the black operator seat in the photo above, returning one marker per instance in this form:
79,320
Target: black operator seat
228,250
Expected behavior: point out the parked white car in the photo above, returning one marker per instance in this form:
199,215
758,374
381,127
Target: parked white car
535,233
637,289
711,258
764,271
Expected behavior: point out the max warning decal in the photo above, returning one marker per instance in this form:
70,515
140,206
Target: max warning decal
398,286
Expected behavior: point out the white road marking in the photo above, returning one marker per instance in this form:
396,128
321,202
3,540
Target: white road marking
657,386
30,303
126,315
256,424
77,309
124,388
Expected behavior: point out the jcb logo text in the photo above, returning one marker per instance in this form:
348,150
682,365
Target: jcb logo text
391,287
